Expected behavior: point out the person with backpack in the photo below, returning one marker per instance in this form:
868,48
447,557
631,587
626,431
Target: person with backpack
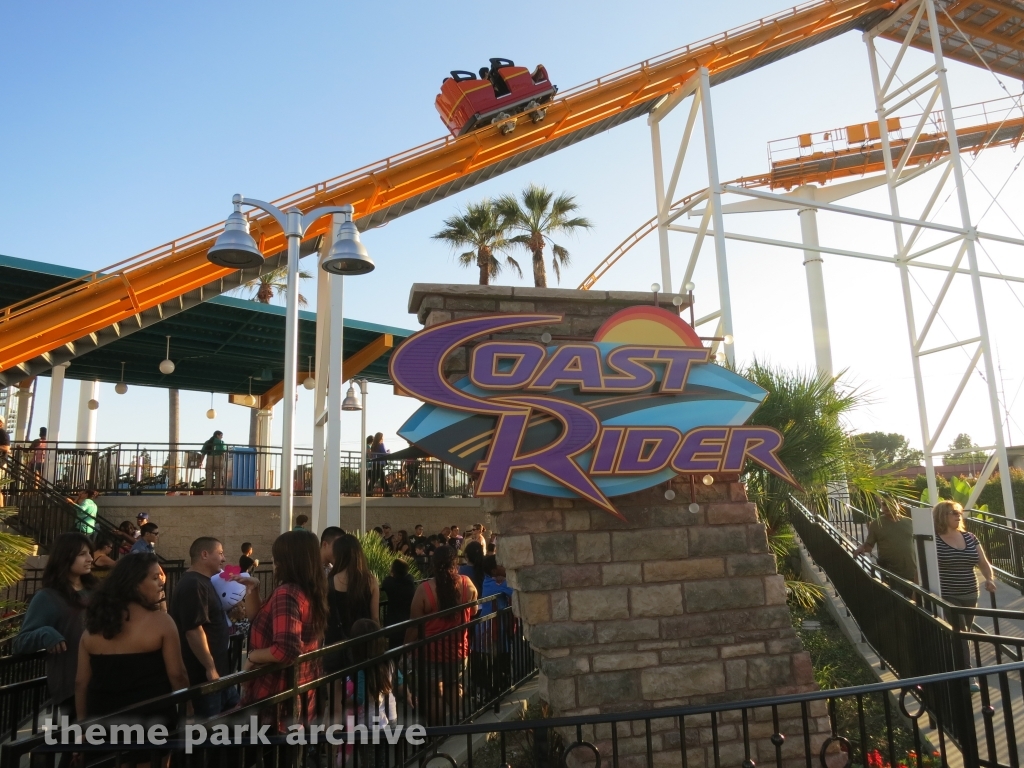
213,450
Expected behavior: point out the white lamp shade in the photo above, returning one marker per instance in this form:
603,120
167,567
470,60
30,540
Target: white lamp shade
92,405
309,382
211,414
120,387
166,367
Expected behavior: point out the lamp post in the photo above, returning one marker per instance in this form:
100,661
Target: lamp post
236,249
353,403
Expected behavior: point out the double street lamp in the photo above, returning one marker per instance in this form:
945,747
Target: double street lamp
236,249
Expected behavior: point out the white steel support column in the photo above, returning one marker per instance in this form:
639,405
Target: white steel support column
53,414
24,406
659,198
329,389
972,261
888,98
715,202
699,87
56,400
815,285
89,390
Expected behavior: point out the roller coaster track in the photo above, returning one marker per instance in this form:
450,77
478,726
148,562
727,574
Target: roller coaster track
831,155
59,325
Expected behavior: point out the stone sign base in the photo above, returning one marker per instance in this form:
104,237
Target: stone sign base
661,608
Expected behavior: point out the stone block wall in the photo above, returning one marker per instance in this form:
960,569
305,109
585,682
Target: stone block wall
257,519
664,608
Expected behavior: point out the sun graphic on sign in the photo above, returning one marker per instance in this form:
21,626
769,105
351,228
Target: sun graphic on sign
648,325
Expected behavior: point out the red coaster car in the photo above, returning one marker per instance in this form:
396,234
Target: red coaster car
499,92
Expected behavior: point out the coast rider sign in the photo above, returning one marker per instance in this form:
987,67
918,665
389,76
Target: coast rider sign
592,420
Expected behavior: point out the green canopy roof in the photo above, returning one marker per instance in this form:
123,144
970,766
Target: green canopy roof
216,346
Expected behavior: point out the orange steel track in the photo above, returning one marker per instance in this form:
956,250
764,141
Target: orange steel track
822,167
387,189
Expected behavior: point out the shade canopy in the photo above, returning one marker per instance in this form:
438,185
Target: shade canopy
215,346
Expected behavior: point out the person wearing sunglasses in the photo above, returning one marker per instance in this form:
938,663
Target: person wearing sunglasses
147,540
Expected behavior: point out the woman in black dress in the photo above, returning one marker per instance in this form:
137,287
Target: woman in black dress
130,651
399,588
352,594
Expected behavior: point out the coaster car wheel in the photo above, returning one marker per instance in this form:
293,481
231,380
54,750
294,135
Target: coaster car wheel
505,122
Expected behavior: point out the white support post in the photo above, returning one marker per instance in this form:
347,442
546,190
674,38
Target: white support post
964,237
335,394
56,400
24,406
972,261
329,389
815,285
659,195
318,514
89,390
715,201
53,416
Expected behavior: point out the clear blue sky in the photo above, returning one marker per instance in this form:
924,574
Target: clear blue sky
129,124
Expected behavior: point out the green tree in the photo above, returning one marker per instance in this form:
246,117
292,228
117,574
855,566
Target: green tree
809,410
889,450
538,216
963,442
273,284
483,229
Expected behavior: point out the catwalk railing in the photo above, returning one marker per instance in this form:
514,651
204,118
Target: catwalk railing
434,684
159,468
912,630
1002,537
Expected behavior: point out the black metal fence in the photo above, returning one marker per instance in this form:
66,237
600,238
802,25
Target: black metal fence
437,677
912,630
160,468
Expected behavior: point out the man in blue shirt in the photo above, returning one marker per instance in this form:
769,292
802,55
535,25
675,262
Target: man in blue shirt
147,539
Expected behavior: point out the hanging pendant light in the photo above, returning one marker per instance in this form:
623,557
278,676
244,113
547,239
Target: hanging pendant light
121,387
211,414
309,382
167,366
250,399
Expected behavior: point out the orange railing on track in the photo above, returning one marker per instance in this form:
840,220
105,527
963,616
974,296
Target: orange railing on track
115,294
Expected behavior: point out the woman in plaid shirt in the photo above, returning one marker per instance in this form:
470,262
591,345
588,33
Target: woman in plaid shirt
290,623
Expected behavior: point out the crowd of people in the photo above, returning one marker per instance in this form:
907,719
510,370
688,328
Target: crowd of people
102,611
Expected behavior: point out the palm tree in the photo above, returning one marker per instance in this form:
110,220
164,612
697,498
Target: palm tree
810,410
273,283
484,230
538,218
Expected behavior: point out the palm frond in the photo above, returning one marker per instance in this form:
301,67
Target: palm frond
514,266
379,557
804,593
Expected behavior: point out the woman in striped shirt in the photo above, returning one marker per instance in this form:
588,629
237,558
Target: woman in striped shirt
959,552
